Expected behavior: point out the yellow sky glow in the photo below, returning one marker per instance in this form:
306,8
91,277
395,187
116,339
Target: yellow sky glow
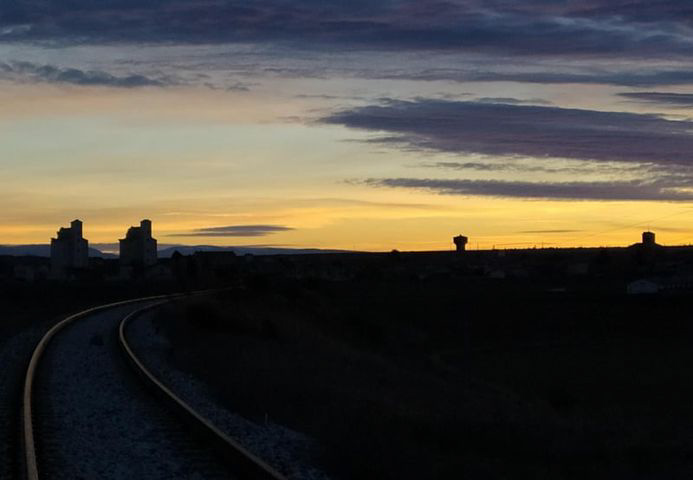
111,157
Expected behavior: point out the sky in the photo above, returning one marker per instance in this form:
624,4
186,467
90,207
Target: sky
348,124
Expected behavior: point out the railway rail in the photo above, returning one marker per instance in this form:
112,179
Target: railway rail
85,411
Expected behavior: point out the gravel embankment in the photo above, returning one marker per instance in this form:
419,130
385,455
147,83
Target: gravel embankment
286,450
94,419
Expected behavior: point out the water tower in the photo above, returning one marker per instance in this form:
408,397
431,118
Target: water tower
460,242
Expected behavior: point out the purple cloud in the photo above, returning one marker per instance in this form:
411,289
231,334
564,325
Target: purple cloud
596,28
522,130
615,190
235,231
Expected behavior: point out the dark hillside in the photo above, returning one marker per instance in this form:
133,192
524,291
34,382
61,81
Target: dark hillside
436,379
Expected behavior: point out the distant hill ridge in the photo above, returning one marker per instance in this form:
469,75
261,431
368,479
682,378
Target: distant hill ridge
190,249
44,250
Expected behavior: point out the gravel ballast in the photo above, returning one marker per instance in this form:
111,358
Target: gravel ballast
284,449
94,418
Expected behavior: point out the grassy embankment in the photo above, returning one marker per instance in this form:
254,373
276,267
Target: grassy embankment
439,380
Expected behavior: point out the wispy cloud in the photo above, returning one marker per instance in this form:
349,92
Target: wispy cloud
234,231
584,167
623,76
633,190
549,231
30,72
661,98
513,101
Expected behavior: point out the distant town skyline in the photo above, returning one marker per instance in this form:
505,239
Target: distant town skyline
139,246
358,125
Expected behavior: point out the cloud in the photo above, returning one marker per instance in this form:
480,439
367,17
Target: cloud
632,190
513,101
585,167
26,71
520,130
235,231
661,98
624,77
230,87
533,28
518,70
238,87
276,34
550,231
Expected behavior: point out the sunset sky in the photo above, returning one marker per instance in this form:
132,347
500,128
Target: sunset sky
348,124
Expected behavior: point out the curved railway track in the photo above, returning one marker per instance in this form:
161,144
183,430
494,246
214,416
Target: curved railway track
85,413
246,465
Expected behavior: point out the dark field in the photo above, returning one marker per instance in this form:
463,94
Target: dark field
33,304
454,379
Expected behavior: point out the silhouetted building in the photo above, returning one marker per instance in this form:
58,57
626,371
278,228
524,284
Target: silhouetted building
648,244
648,239
460,242
69,250
138,248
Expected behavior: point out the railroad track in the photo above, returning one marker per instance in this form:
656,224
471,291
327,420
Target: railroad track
85,413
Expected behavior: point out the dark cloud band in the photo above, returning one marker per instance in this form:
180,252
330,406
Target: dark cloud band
635,190
235,231
626,77
521,130
532,28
